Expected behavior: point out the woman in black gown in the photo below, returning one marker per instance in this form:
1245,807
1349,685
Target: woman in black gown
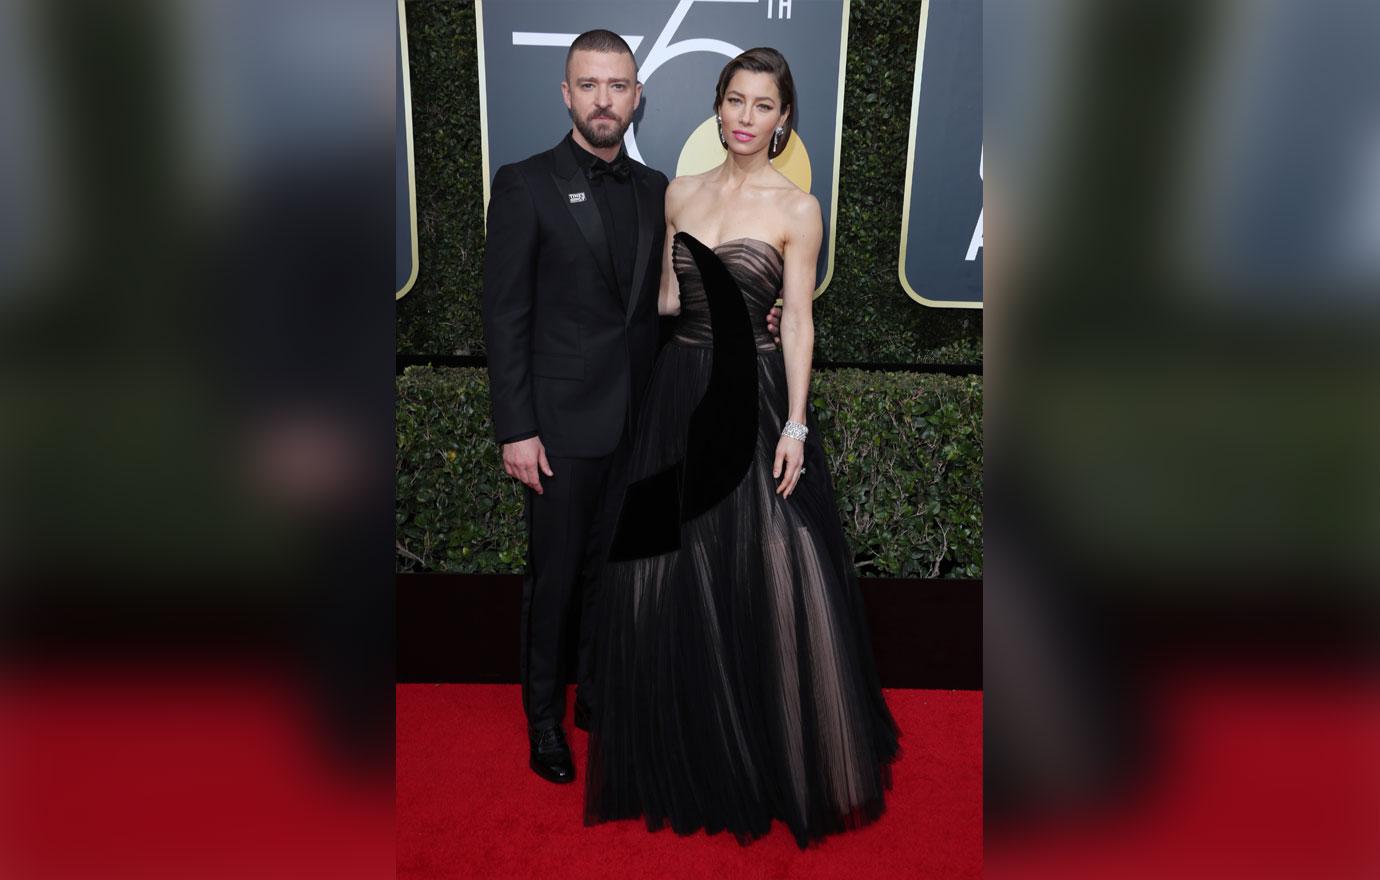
735,673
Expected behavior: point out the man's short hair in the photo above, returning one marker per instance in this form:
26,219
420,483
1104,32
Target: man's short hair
598,40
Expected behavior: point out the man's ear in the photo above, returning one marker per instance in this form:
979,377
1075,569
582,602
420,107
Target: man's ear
565,93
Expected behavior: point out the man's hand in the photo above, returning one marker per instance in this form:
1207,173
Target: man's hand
774,324
526,460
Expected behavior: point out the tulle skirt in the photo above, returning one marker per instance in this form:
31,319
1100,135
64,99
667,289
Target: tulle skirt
734,675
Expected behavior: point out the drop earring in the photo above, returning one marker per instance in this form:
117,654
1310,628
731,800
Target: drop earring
720,121
776,138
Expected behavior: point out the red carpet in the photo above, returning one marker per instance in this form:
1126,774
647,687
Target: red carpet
211,770
469,807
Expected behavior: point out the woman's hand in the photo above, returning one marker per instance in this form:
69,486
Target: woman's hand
790,464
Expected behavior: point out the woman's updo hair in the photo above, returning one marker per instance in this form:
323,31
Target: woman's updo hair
763,59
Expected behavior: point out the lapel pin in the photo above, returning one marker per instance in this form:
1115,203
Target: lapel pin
576,198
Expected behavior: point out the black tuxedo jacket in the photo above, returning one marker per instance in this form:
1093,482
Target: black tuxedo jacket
569,352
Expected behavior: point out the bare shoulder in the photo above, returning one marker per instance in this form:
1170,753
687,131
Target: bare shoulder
682,189
687,184
802,212
791,200
799,203
675,198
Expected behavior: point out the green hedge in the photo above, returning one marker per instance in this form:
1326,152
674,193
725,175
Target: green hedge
864,315
905,452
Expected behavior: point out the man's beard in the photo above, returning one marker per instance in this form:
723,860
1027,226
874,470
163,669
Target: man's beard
601,140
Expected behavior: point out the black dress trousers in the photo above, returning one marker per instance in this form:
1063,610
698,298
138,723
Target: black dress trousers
568,531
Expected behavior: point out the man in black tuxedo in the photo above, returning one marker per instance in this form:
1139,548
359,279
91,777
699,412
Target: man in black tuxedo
572,268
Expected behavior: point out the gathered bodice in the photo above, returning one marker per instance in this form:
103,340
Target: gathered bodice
755,266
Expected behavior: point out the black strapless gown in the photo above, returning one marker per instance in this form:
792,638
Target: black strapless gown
734,672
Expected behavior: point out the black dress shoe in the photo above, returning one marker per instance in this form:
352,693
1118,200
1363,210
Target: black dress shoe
551,756
582,715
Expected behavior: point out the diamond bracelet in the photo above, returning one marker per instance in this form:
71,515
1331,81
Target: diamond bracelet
795,431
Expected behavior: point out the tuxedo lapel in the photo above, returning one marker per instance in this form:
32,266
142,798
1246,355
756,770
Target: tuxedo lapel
578,196
646,217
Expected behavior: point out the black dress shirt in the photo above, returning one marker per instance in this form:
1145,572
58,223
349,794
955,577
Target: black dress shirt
618,210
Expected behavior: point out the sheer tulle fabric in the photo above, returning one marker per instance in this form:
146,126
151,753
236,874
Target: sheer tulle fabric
735,682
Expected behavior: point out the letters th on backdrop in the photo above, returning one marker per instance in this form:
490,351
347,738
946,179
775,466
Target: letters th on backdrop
680,46
404,174
941,225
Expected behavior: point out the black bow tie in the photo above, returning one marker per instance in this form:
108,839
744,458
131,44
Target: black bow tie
620,169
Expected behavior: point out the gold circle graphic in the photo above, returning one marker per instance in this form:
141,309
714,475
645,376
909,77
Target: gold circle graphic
702,151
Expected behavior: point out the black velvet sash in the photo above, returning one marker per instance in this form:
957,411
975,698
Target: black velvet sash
722,434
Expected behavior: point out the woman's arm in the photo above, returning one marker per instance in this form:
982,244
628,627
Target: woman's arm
805,231
668,299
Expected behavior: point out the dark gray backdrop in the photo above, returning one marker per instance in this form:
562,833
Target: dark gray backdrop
944,189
